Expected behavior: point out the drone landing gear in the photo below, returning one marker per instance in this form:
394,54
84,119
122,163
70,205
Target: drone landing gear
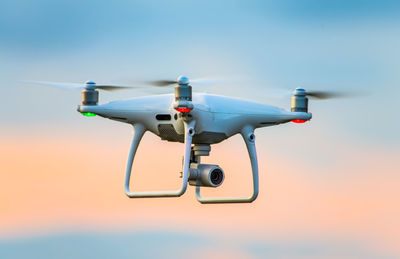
139,131
200,174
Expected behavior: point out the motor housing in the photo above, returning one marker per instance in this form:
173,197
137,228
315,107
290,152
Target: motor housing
299,101
90,97
183,95
206,175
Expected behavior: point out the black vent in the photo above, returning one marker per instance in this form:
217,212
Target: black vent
163,117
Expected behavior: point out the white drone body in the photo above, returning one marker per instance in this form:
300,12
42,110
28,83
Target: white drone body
216,117
198,121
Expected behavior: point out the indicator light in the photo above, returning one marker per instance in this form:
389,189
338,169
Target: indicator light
183,109
88,114
298,121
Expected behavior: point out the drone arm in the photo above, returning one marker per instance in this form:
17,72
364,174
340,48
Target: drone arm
138,134
249,138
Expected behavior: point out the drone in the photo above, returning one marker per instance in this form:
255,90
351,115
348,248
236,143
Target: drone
198,120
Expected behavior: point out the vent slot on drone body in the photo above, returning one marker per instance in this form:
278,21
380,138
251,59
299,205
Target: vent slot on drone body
163,117
119,118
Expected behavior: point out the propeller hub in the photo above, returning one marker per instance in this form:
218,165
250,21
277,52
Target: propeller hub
299,92
90,85
183,80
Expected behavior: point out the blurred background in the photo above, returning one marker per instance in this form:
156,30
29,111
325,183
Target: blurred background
329,188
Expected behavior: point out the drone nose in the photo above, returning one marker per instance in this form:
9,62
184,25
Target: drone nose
183,80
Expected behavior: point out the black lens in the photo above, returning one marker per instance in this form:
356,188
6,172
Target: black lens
217,176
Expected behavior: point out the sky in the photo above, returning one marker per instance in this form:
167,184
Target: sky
329,188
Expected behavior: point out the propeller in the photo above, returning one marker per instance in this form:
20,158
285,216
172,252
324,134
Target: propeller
183,80
89,85
312,94
161,83
321,95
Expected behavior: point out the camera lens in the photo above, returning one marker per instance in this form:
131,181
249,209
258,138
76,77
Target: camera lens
217,176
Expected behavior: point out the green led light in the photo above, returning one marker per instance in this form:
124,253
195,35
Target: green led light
88,114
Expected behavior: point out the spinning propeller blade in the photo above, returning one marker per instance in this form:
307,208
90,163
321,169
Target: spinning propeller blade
196,81
161,83
312,94
87,85
114,87
68,86
323,95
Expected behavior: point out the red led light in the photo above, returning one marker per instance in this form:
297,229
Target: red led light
298,121
183,109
